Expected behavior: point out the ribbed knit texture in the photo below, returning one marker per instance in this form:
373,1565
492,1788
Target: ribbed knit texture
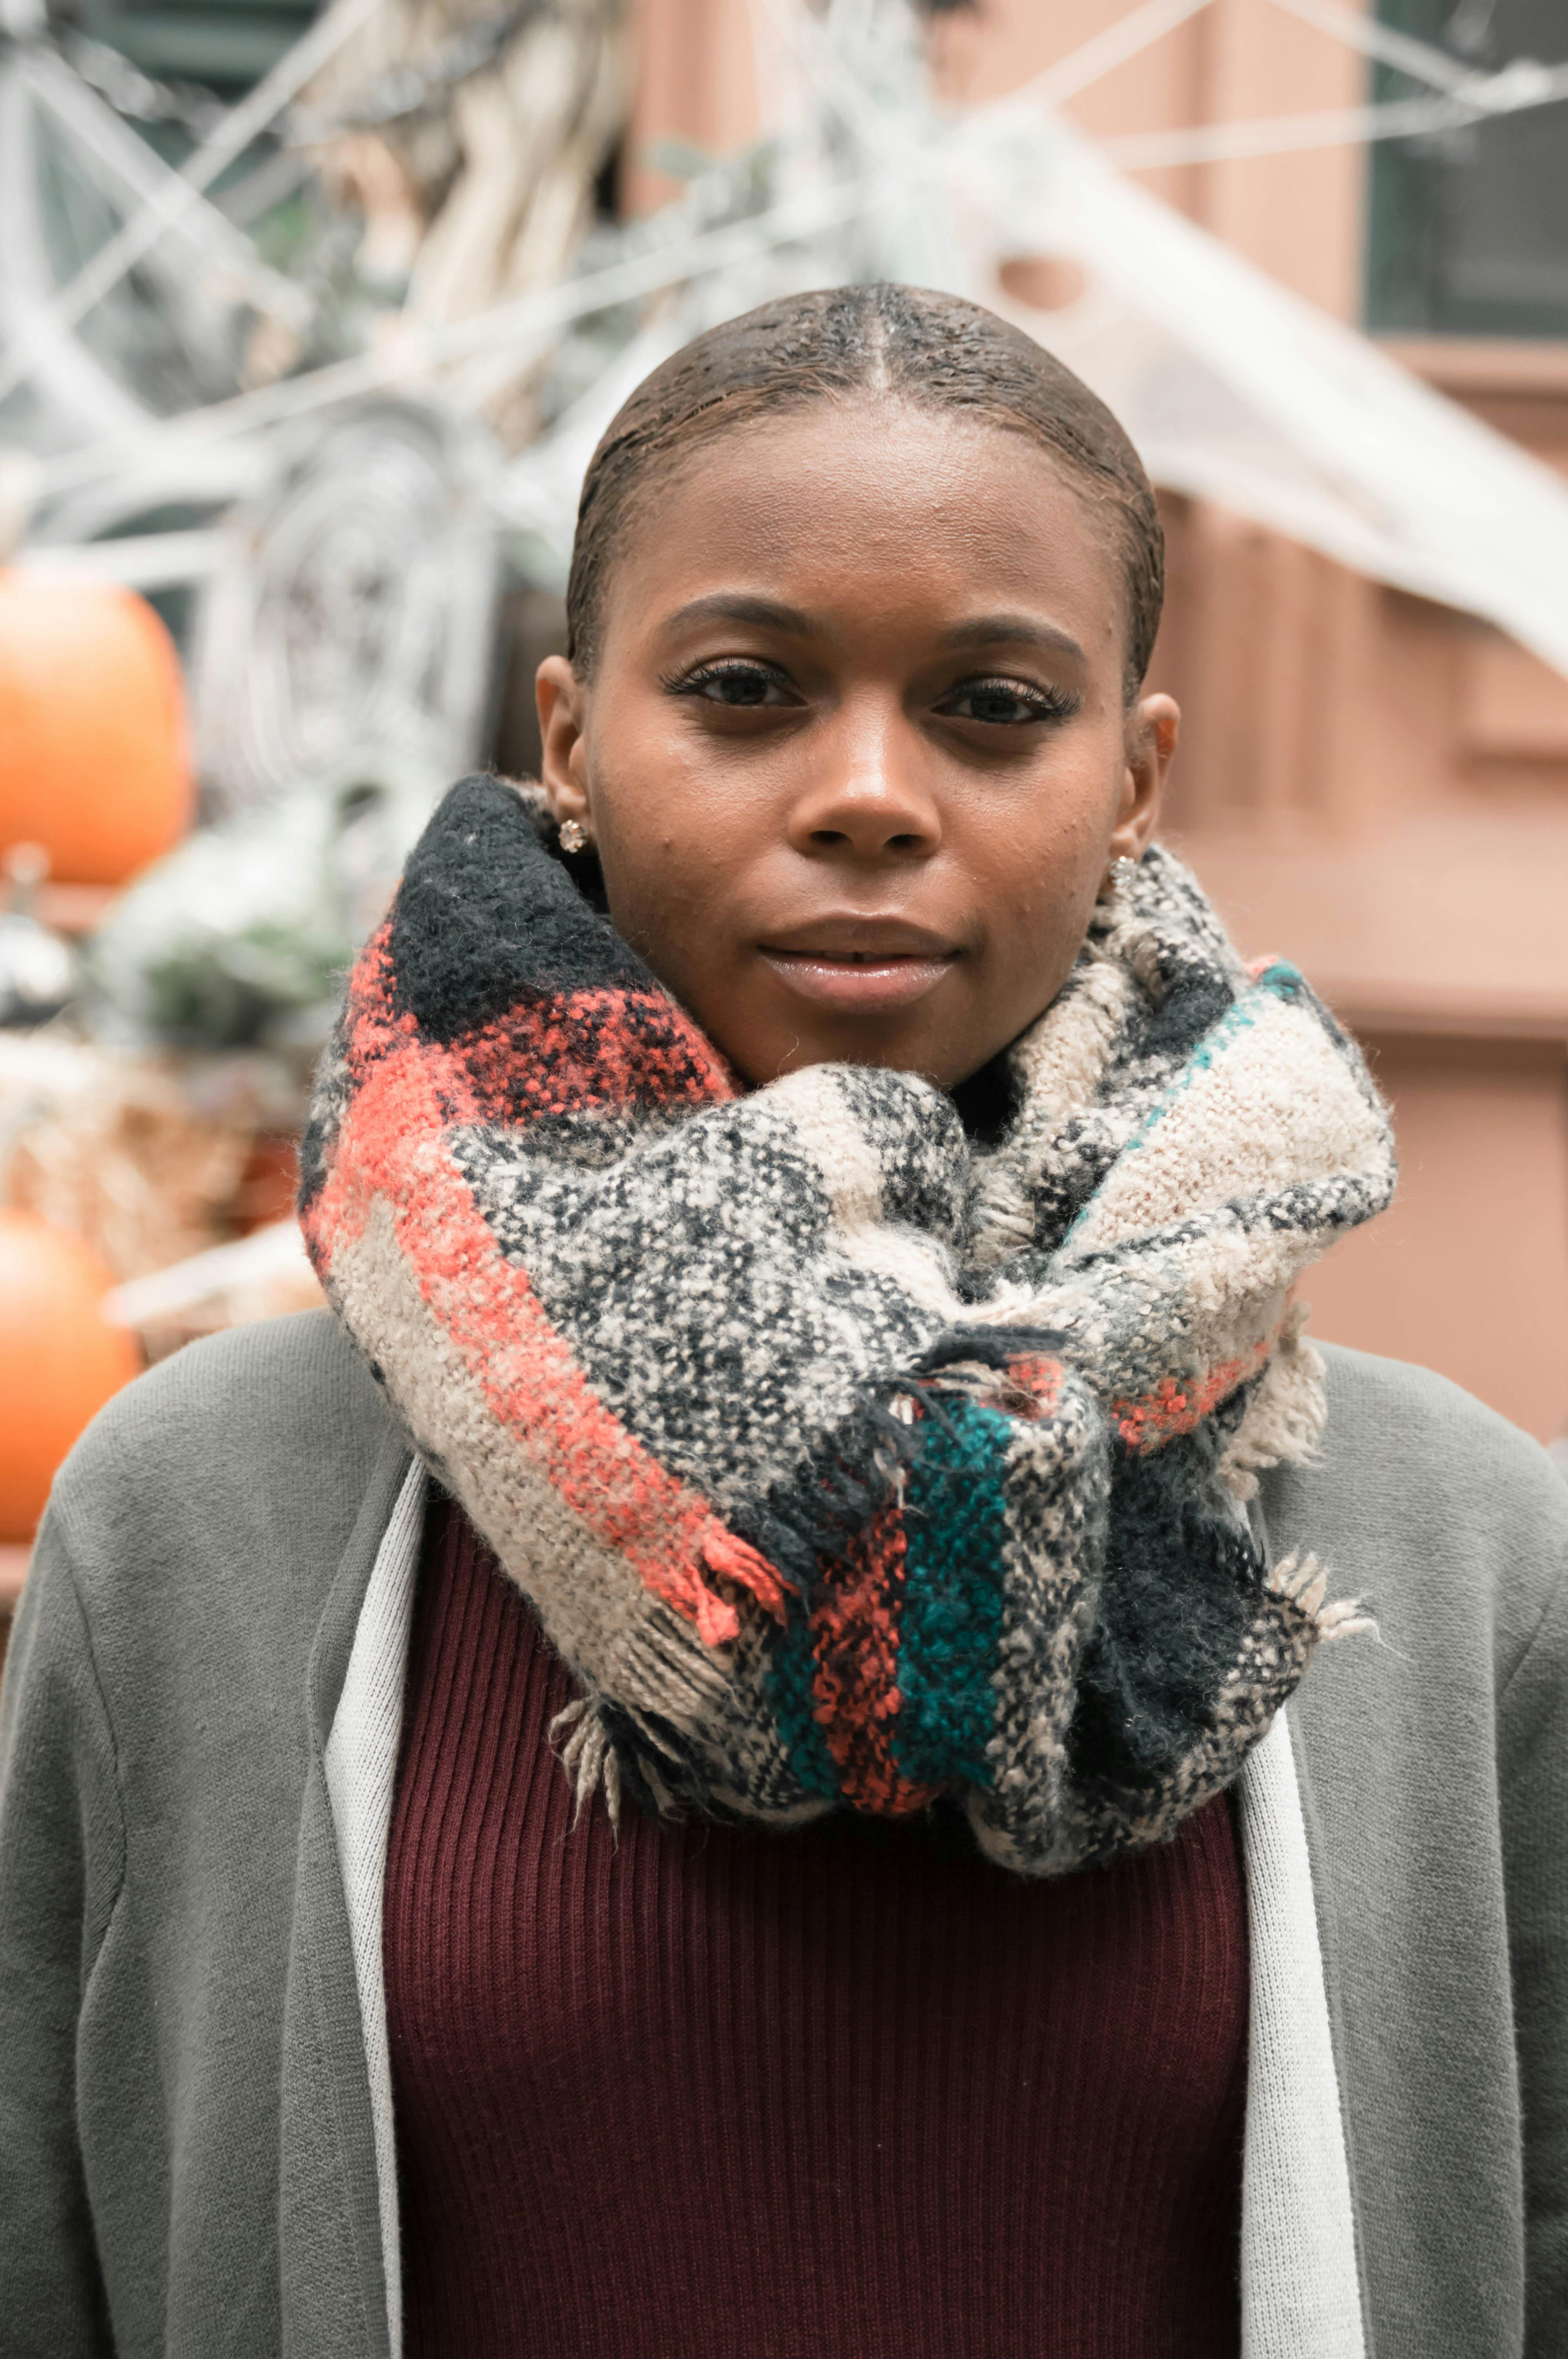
852,2094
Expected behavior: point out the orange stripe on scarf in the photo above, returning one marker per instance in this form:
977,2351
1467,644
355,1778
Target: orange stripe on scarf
854,1630
1175,1407
402,1110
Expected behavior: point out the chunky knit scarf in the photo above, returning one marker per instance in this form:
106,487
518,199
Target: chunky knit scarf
845,1457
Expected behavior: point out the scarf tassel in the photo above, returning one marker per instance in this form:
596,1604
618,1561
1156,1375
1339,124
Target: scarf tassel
588,1756
1300,1579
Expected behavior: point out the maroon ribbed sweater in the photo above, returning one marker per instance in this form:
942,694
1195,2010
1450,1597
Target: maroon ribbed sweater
851,2093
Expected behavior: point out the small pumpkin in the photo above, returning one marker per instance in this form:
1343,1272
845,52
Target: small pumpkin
94,756
59,1359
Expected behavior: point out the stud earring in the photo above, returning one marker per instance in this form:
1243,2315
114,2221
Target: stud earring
1123,872
574,836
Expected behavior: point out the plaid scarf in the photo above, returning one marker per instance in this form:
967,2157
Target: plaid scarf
847,1459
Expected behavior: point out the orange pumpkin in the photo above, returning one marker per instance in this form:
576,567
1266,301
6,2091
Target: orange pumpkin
59,1359
95,763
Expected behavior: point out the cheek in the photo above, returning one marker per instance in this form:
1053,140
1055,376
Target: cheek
677,827
654,892
1046,861
661,856
1037,927
634,797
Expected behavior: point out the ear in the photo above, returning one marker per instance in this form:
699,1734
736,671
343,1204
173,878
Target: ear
1153,728
562,702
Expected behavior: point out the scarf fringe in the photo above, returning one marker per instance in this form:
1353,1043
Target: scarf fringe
587,1754
1302,1581
1284,1422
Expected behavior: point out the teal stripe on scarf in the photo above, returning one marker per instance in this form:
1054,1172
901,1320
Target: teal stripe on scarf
1279,981
791,1688
956,1530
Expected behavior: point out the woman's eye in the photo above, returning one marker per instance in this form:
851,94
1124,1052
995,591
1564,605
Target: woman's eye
1005,703
738,686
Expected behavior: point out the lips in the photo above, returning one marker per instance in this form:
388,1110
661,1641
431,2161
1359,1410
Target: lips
859,965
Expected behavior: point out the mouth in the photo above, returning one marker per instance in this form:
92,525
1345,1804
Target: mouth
860,966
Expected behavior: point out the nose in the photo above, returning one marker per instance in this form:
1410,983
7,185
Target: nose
868,797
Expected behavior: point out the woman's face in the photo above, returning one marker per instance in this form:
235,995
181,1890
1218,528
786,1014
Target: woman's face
854,754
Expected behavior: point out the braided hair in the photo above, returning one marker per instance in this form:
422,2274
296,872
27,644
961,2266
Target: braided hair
934,351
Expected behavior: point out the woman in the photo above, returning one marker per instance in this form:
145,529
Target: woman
702,1766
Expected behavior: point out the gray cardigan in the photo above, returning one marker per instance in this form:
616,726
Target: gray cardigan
197,1745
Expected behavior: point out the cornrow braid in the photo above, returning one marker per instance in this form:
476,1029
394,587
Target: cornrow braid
935,352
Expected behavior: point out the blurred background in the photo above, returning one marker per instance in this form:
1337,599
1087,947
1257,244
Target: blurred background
309,322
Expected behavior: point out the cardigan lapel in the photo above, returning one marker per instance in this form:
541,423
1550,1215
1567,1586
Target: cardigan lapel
1300,2293
361,1765
335,2282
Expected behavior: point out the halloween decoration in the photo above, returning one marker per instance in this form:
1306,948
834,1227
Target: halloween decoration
59,1359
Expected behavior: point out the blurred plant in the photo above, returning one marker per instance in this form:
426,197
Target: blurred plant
108,1145
37,968
238,940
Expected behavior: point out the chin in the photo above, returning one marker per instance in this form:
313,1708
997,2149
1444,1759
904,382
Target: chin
860,1047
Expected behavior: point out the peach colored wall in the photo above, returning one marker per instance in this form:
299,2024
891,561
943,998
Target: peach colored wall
1468,1273
1366,783
1299,216
694,82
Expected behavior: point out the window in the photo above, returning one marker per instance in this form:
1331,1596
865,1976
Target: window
1469,230
225,44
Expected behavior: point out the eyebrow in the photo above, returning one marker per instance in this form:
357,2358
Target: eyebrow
736,606
1022,630
772,614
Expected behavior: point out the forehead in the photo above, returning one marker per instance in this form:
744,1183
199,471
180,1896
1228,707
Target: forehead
872,509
